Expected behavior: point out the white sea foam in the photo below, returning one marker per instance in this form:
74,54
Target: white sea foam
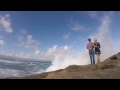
5,73
8,61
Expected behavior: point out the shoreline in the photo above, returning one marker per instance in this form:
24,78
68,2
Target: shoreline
103,70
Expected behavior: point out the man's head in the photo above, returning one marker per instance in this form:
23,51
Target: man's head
89,40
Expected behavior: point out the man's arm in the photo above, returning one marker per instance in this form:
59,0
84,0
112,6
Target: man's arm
93,45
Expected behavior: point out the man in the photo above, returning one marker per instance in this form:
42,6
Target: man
90,47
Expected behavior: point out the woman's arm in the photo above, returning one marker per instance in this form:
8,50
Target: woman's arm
99,45
95,45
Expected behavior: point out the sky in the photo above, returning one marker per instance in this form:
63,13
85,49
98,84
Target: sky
41,35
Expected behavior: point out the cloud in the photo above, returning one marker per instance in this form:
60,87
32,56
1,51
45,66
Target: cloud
23,31
100,14
76,26
21,56
80,40
37,52
93,14
66,36
5,23
2,42
55,50
49,55
97,14
51,52
108,47
25,40
1,37
117,13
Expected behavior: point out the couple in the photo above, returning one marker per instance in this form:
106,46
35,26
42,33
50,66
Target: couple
90,47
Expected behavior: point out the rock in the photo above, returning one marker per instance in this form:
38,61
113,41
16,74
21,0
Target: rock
108,69
114,58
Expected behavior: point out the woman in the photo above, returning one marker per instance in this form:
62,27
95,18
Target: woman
97,49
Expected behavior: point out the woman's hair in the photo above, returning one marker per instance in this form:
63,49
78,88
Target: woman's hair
95,39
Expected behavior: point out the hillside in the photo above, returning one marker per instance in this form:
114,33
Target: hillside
108,69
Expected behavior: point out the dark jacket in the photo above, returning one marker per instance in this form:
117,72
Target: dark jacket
97,49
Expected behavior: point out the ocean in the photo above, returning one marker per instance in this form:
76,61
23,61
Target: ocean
20,68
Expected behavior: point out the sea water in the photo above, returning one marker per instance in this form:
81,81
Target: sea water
20,68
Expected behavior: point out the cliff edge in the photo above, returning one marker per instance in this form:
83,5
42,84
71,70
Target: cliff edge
108,69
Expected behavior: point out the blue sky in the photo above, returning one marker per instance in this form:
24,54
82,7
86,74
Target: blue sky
38,31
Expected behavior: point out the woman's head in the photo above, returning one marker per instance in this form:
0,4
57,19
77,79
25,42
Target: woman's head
95,40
